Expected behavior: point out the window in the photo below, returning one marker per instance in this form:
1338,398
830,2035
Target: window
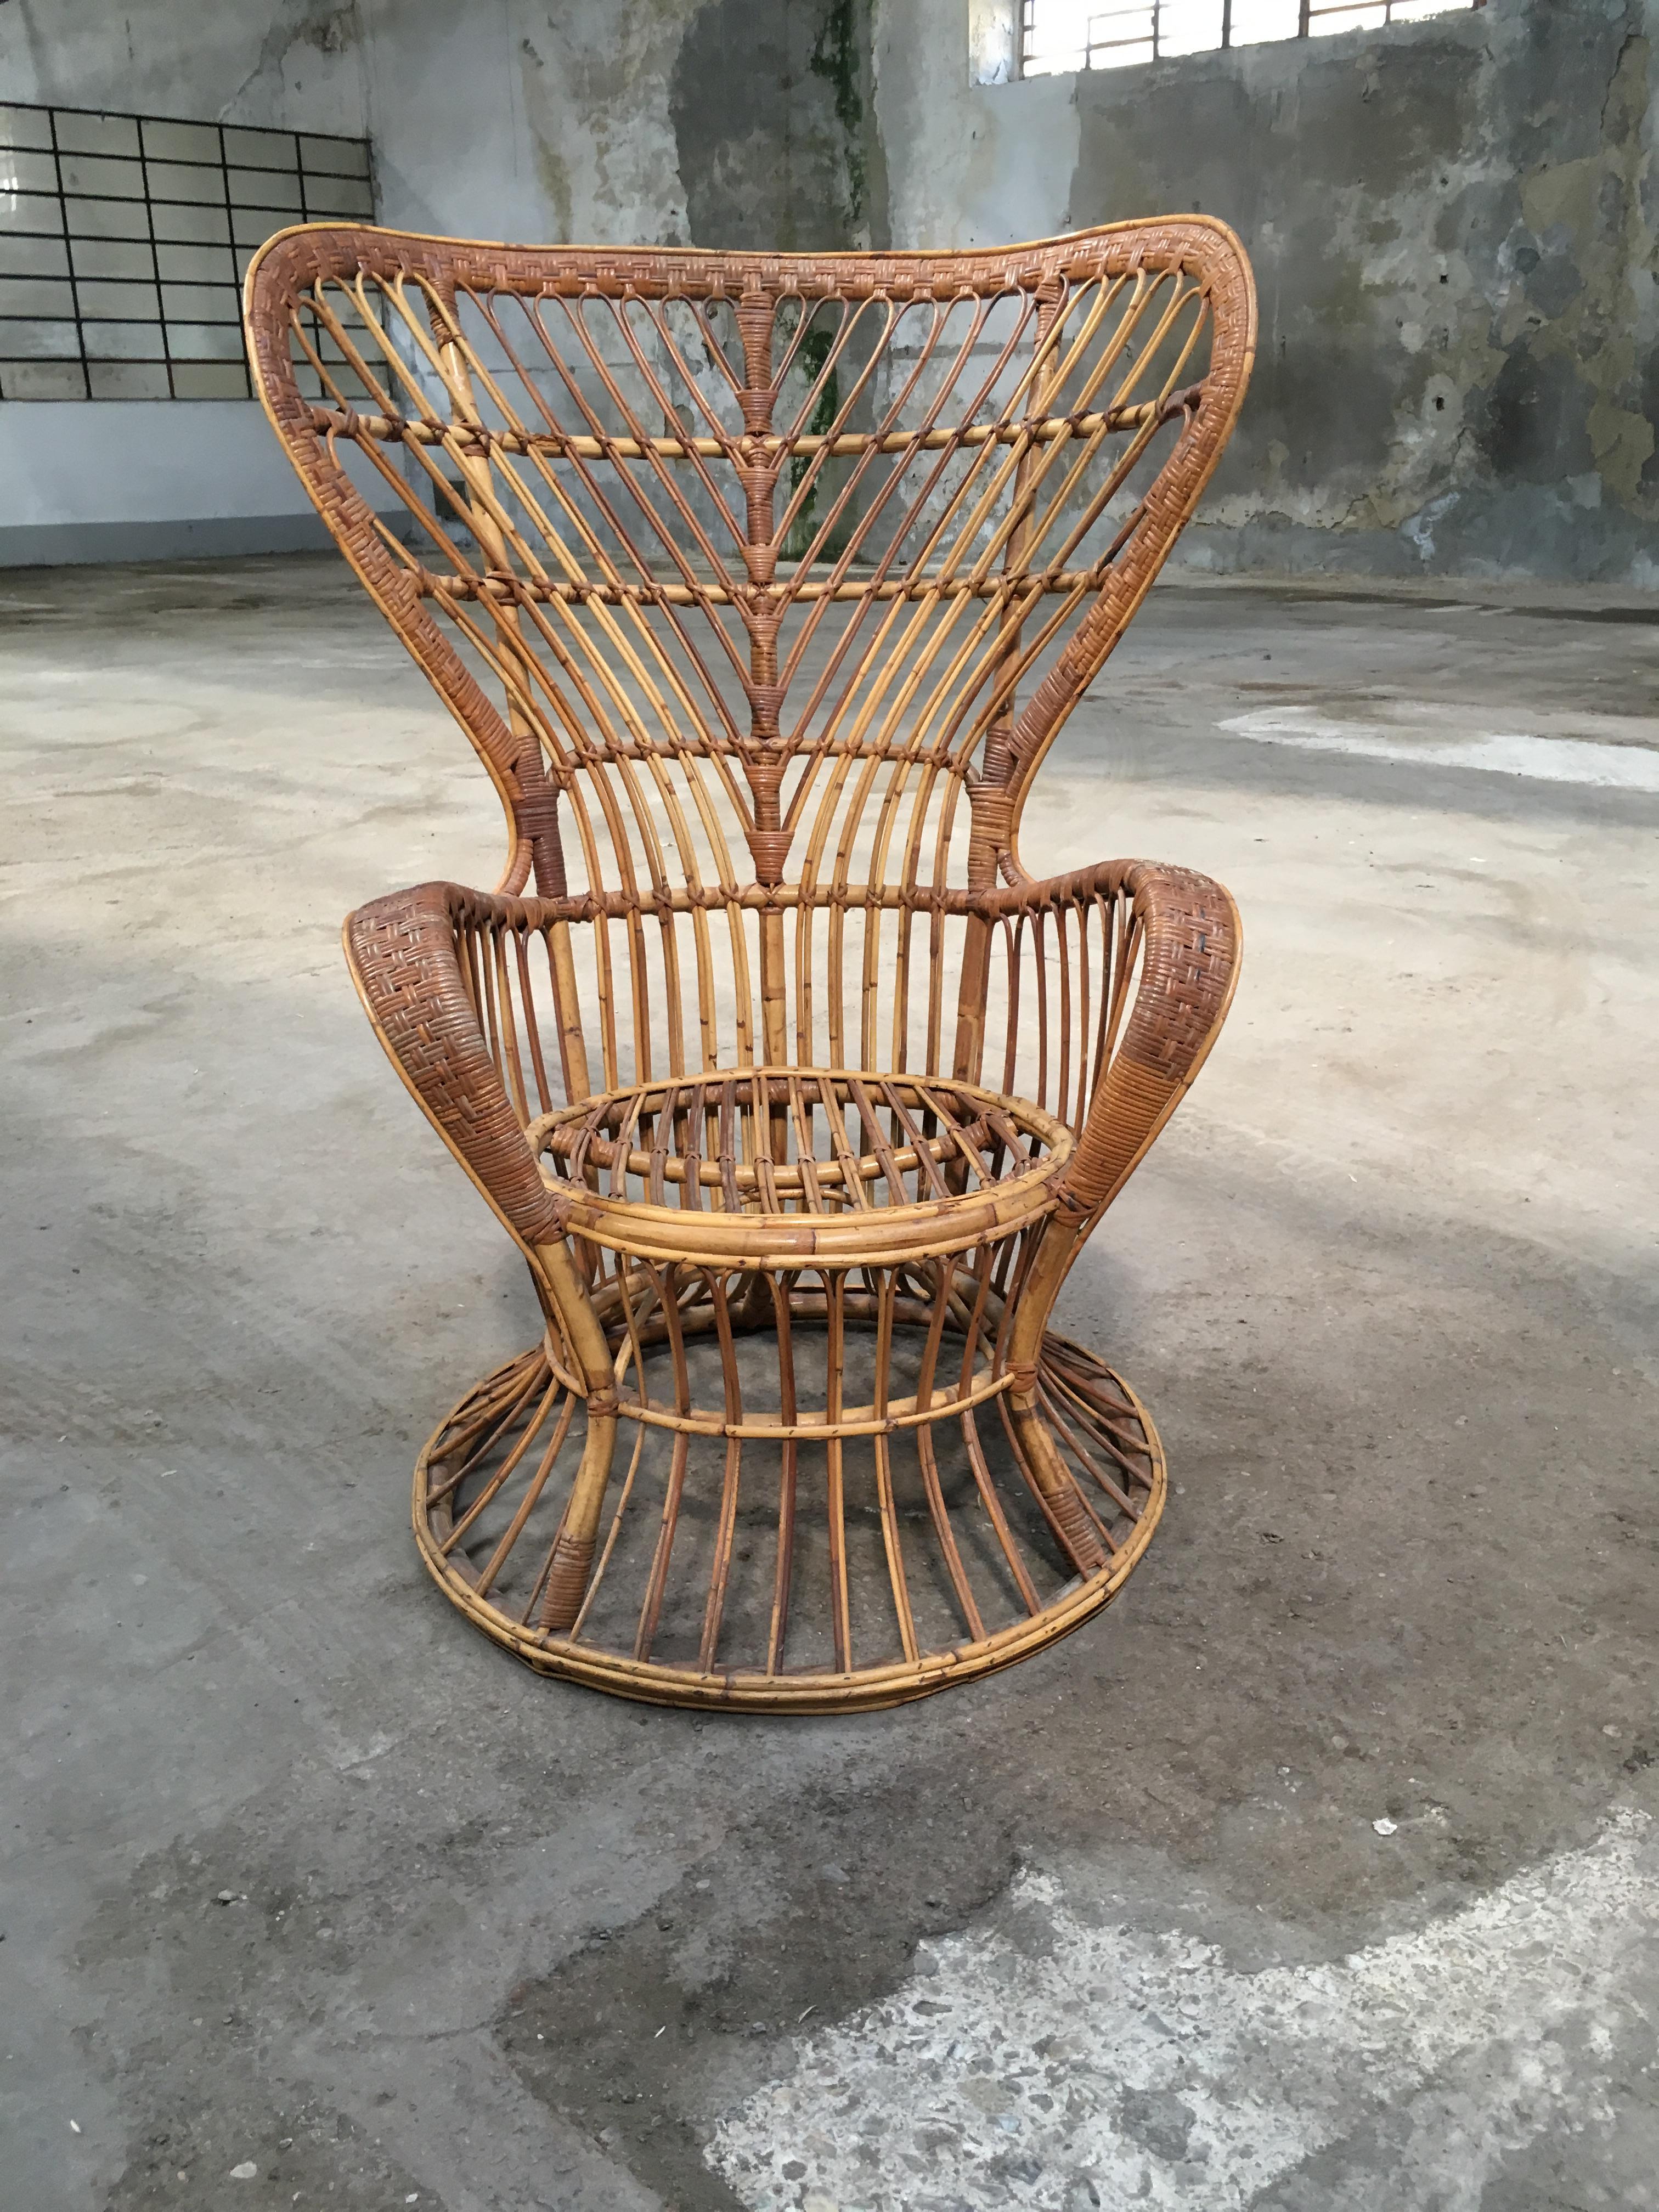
124,240
1074,34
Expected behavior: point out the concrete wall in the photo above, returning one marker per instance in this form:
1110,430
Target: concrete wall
1453,225
141,480
132,480
1453,222
659,121
631,121
108,480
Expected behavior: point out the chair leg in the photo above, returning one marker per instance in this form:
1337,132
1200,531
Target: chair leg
1073,1524
1059,1494
573,1547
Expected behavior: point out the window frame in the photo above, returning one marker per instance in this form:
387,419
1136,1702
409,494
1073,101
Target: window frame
206,211
1308,13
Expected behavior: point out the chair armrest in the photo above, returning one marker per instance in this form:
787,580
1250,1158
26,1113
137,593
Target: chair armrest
404,952
1190,958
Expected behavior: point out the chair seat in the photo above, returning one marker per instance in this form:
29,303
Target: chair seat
813,1161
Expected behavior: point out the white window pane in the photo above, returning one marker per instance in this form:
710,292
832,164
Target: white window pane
263,188
209,303
195,265
1056,36
1120,26
1407,11
262,149
182,180
210,380
28,212
252,226
181,141
106,219
88,173
96,134
128,380
25,127
334,157
42,379
1255,20
107,257
1121,57
128,302
1188,27
205,341
35,295
27,173
1372,17
338,196
125,341
40,341
33,257
192,226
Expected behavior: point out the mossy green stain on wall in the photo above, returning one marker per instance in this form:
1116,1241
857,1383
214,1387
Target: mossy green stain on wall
771,105
1453,223
1597,201
811,358
838,59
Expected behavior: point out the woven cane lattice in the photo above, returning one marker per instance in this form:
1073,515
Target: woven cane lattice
763,584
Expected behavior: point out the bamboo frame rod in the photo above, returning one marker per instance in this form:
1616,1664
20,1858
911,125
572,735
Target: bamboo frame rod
476,439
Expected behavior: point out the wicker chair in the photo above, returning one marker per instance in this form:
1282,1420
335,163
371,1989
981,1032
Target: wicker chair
762,584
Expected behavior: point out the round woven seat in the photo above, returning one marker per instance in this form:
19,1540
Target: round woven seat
800,1164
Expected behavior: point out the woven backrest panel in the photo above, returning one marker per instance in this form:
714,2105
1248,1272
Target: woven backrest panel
755,579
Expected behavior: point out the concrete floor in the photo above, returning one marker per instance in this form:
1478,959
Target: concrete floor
1315,1873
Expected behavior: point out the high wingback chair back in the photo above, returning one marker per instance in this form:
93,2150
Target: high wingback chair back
749,572
762,584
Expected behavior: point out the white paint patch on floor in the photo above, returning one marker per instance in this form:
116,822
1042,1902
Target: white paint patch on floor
1545,759
1051,2064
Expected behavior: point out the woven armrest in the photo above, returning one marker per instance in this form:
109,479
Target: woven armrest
404,954
1191,943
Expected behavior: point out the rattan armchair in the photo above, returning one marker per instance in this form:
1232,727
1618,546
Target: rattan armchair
762,584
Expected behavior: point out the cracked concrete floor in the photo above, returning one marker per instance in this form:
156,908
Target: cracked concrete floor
299,1874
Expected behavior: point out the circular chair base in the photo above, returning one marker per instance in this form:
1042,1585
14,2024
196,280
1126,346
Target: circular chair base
830,1580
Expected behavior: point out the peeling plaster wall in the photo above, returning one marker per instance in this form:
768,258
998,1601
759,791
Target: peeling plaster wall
498,118
1453,223
669,122
1453,226
654,122
772,109
108,480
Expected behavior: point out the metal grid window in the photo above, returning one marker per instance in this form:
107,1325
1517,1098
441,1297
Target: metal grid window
1056,35
124,240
